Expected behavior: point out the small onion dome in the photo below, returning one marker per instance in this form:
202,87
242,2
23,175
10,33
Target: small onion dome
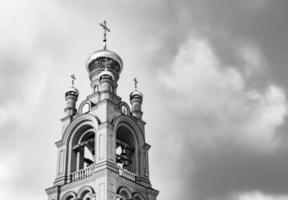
106,74
98,59
136,95
71,92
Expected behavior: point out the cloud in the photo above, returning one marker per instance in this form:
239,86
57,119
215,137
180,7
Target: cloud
8,165
223,129
28,48
24,67
255,195
252,60
220,100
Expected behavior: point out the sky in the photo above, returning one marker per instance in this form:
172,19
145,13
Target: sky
213,75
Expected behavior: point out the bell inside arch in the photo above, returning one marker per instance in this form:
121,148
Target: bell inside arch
125,149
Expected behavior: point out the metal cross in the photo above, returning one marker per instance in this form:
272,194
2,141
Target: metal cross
135,82
73,79
104,26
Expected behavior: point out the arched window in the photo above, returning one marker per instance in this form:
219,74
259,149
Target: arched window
86,193
83,149
85,108
86,196
125,149
69,196
124,193
138,196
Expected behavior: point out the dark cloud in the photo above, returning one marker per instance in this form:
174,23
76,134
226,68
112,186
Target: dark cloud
219,148
234,171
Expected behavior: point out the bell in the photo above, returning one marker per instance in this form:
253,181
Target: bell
124,154
118,159
126,163
124,158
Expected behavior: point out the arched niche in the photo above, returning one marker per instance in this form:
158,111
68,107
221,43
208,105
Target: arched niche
86,193
73,132
69,196
126,148
82,147
124,108
124,193
129,137
85,107
71,128
138,196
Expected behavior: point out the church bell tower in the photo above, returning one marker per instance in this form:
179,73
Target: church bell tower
102,151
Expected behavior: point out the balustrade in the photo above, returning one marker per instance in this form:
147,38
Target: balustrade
127,174
82,173
88,171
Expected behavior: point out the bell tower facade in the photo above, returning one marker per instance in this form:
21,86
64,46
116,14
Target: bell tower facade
102,152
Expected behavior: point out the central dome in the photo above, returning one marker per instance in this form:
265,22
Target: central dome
103,61
100,59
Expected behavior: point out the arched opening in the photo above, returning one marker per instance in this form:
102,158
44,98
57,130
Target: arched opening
124,193
86,193
69,196
125,149
85,108
138,196
83,149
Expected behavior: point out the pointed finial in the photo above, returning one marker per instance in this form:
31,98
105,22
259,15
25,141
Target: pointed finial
135,83
104,26
73,79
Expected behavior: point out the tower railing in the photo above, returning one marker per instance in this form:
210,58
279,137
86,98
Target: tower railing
82,173
126,174
88,171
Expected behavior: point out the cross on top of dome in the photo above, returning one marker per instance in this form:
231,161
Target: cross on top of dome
73,78
104,26
135,83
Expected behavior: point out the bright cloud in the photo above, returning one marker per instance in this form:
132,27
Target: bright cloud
252,60
230,109
8,165
25,61
258,196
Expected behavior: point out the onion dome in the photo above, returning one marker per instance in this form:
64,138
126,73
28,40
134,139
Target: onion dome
136,99
137,95
101,59
72,92
71,97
